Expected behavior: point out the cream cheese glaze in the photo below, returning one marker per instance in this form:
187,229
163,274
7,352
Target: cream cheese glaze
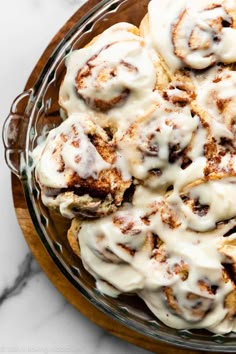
154,167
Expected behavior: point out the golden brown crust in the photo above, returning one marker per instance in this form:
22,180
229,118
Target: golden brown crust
130,28
72,236
144,26
227,246
230,304
164,75
230,299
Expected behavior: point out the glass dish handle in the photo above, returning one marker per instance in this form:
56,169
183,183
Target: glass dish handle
15,131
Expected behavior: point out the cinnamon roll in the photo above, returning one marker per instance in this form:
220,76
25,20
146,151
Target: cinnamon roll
109,247
179,307
156,145
78,169
195,34
125,242
114,75
216,92
200,203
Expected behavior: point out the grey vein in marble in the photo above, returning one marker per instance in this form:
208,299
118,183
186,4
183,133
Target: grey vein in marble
27,269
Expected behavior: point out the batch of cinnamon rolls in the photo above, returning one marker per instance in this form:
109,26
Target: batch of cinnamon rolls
144,163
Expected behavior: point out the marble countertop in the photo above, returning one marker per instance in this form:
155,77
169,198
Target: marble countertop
35,318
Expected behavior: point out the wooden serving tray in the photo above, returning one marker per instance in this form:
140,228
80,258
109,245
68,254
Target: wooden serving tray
52,271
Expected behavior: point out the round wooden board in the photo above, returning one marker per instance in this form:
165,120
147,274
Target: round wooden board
40,253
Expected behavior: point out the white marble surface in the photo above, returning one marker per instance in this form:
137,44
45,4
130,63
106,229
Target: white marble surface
34,317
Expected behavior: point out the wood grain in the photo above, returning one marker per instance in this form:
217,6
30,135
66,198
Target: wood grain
48,266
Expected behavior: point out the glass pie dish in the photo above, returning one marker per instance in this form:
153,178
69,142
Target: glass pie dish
33,114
